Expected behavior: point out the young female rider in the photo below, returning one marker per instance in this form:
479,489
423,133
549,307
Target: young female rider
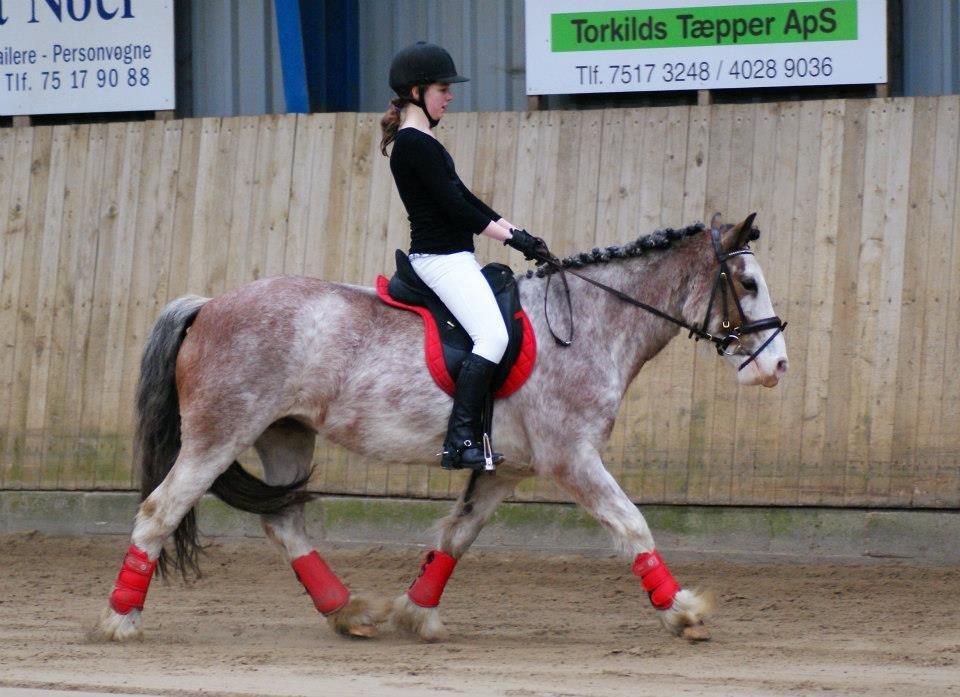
444,216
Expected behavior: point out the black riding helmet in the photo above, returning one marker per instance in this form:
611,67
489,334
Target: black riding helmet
420,65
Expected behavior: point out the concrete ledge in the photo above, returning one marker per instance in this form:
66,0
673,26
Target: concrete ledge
731,532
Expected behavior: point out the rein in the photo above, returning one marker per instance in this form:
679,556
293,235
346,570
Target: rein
723,283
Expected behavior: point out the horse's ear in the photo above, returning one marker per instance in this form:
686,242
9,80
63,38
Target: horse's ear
715,221
743,232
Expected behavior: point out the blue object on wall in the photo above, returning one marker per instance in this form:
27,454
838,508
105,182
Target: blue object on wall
290,38
319,54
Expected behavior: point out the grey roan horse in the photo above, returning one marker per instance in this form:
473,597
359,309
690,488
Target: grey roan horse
278,361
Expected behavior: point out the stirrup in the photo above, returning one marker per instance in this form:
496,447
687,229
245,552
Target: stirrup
452,458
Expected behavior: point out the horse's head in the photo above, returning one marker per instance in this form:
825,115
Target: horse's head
733,304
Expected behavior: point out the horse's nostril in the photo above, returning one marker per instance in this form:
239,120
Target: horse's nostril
782,366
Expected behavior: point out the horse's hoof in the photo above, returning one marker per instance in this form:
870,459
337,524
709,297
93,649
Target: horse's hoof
112,626
696,632
366,631
422,621
685,617
359,618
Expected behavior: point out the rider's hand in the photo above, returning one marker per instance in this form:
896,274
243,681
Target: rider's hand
532,248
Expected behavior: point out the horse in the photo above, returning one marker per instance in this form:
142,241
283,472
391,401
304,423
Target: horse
277,362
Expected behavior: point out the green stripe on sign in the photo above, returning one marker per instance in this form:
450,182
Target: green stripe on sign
726,25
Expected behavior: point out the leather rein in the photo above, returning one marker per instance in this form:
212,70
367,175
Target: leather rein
722,286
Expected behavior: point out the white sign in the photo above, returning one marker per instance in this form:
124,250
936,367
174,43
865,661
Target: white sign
69,56
582,46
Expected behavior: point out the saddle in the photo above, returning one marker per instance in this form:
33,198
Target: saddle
446,343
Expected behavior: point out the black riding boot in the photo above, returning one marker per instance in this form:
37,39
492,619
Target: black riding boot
463,446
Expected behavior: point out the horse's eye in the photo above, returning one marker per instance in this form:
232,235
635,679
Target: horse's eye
749,284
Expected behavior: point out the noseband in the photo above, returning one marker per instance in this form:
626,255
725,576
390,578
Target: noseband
722,285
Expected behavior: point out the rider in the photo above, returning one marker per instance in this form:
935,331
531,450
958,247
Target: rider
444,216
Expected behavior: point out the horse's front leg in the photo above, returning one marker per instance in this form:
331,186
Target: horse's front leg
416,610
584,476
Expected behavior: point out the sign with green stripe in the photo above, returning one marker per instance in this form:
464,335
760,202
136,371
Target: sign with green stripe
618,45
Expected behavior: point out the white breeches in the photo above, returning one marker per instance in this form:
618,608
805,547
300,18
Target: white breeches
457,281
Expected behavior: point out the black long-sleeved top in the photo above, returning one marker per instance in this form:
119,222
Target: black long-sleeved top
444,215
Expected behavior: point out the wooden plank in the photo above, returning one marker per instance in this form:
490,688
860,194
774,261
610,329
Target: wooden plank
49,240
337,221
244,193
215,213
608,185
78,469
884,387
798,289
298,215
480,179
752,463
529,141
310,214
586,186
27,450
844,310
869,291
276,204
949,406
628,201
15,192
814,476
58,432
212,211
7,249
503,198
774,478
943,398
377,253
546,181
191,137
909,405
359,199
95,461
112,415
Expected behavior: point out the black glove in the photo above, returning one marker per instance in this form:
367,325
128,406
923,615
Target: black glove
532,248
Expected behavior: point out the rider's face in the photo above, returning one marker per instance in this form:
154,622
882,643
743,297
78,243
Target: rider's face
436,98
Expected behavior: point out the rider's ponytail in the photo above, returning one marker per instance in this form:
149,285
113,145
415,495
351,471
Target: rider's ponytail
390,123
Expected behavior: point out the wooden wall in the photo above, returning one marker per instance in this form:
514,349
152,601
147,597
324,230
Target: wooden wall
101,225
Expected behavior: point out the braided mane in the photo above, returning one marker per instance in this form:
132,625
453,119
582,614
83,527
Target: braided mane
659,239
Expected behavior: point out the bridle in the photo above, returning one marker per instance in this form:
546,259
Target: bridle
722,285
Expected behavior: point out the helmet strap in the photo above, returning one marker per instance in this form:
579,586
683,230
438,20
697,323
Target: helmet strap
420,102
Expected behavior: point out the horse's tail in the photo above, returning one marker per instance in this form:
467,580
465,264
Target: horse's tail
157,441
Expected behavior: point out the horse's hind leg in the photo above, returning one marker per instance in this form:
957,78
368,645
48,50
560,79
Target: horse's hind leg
591,485
416,610
189,479
286,451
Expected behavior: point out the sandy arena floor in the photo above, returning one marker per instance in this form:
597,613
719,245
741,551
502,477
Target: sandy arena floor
521,624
